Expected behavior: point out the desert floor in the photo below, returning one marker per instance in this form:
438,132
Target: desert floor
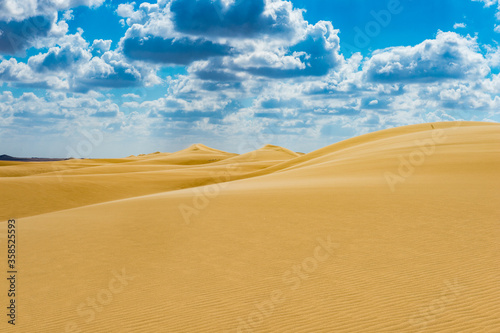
392,231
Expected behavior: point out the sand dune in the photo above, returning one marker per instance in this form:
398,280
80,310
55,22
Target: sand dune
193,155
266,153
49,187
393,231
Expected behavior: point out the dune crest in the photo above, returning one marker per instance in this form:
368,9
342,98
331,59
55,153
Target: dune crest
267,155
279,149
202,147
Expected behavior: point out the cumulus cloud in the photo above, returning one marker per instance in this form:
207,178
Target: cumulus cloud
179,51
236,18
315,55
112,70
13,10
130,15
21,75
449,56
22,23
459,25
101,45
71,66
11,70
215,70
184,31
16,36
59,59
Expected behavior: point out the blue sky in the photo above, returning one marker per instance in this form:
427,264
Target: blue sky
94,78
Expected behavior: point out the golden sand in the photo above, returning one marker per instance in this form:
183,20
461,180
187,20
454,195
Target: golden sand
393,231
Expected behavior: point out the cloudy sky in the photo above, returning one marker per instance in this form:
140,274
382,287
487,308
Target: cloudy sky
96,78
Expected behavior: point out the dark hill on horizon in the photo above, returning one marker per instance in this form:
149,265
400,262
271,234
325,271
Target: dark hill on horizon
5,157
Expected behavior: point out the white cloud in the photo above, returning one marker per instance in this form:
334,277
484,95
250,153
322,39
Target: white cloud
68,15
132,16
101,45
459,25
70,65
449,56
15,10
133,96
268,32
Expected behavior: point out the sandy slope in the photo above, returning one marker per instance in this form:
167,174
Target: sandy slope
394,231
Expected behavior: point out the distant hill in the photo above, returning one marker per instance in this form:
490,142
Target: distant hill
31,159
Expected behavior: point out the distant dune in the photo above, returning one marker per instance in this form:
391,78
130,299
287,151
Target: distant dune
266,153
392,231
